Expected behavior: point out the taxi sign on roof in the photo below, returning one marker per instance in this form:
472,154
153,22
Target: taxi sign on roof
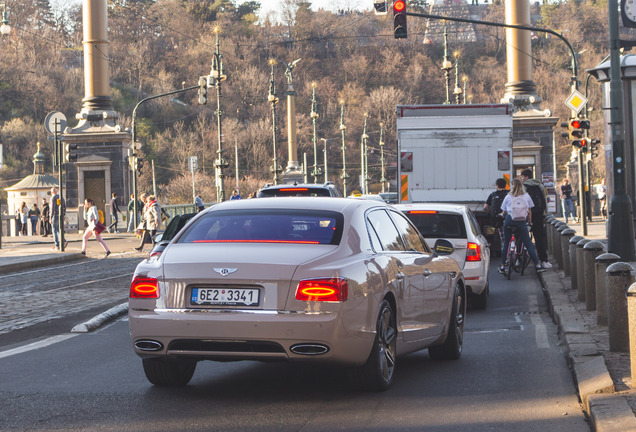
576,101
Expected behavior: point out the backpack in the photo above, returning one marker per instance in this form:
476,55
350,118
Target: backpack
538,199
518,208
101,216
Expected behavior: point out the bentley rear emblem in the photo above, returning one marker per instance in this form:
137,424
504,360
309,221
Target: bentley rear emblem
225,271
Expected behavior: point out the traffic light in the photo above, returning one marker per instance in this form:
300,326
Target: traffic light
203,90
577,133
585,144
139,164
594,147
399,19
68,156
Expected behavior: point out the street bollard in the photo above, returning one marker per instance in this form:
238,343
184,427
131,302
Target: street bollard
556,239
572,257
580,277
631,309
549,228
602,262
564,246
619,278
590,251
562,227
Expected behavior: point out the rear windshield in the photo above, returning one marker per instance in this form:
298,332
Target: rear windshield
294,191
266,226
436,225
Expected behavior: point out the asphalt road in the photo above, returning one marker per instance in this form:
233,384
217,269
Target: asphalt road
512,376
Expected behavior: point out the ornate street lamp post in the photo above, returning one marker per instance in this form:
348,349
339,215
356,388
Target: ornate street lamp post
363,156
465,81
383,179
324,153
457,91
446,66
271,97
344,176
218,74
314,116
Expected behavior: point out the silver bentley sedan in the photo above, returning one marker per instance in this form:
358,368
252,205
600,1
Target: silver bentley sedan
305,279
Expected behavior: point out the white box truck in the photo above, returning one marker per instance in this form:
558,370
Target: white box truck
453,153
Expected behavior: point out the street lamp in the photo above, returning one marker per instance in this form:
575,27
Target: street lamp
271,97
363,156
218,75
446,66
5,28
465,81
314,115
383,179
344,176
325,156
457,91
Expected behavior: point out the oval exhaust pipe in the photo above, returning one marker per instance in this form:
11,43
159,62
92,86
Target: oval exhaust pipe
309,349
148,345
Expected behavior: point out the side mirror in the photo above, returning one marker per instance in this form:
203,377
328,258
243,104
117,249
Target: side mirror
157,238
443,247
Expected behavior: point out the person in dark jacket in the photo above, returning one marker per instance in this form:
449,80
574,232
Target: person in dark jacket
536,190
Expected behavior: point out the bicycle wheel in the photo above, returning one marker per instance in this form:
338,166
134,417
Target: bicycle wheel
525,260
510,259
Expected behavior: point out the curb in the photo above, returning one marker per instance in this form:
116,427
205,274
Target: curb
37,261
608,410
97,321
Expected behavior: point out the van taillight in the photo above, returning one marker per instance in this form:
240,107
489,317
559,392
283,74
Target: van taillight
330,289
144,287
473,252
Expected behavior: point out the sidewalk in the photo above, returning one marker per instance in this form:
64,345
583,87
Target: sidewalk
603,378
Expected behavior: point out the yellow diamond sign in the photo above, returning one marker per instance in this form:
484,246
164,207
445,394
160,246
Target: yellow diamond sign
576,101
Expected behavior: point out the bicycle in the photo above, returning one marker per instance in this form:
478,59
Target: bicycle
518,257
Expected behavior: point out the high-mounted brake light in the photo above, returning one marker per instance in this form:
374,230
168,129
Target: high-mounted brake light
294,189
422,211
473,252
330,289
144,287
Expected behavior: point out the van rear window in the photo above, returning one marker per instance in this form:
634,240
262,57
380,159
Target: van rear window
439,225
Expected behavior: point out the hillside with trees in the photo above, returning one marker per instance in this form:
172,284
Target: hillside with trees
160,45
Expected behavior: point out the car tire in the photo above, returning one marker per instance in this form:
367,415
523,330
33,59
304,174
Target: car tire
452,347
378,371
480,301
169,373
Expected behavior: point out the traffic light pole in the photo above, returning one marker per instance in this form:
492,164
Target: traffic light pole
620,226
134,144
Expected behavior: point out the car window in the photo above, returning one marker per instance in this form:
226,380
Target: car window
266,226
385,229
294,191
474,224
409,233
175,225
433,224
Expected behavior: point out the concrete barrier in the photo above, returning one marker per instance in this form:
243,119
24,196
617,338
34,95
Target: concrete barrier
619,278
560,228
564,245
574,281
580,276
602,262
590,251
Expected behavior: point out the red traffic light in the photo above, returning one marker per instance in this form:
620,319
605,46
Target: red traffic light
399,5
580,124
575,124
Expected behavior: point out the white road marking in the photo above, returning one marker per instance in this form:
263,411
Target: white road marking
540,330
36,345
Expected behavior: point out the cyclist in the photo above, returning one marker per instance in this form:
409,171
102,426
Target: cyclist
516,206
493,207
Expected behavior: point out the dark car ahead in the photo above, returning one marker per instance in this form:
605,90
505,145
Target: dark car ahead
327,189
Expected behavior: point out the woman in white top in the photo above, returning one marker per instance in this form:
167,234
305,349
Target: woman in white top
516,206
92,217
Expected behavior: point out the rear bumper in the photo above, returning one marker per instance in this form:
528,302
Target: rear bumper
248,335
474,276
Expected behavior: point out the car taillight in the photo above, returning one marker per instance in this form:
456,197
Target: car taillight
422,211
331,289
473,252
144,287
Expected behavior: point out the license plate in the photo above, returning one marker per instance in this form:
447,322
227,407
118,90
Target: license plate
225,296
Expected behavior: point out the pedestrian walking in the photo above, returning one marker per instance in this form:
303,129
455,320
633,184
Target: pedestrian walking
536,190
114,209
24,218
45,219
603,199
58,209
34,215
18,222
91,215
566,200
131,213
516,207
198,203
152,222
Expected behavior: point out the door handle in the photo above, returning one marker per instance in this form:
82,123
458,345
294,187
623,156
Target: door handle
399,263
427,273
